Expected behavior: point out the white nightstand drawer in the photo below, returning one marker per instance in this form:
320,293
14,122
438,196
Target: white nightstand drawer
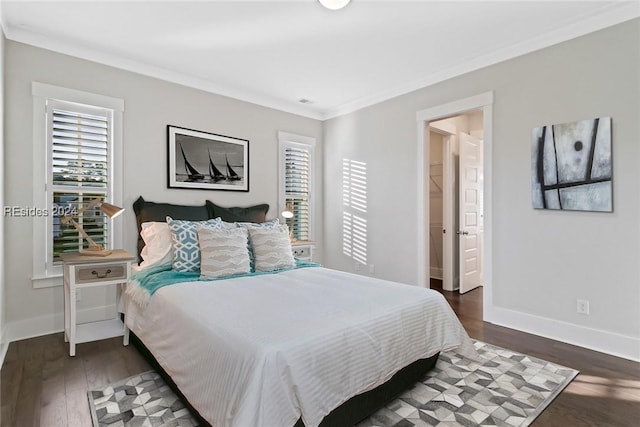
90,274
302,252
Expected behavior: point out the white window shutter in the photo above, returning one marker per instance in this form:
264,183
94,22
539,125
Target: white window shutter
296,161
79,143
297,185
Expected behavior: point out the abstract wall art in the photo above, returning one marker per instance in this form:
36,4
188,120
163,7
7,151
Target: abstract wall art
571,166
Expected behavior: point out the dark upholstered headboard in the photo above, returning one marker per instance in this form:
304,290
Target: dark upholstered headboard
151,211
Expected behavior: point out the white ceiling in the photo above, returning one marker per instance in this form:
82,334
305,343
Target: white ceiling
275,53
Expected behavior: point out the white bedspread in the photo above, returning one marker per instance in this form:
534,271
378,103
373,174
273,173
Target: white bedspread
265,350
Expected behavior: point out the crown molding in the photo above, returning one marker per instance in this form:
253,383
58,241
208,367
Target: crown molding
38,40
608,16
615,14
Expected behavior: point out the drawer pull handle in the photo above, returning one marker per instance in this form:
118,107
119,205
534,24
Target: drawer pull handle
106,273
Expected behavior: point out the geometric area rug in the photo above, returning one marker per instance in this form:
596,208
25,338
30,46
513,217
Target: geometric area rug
141,400
504,388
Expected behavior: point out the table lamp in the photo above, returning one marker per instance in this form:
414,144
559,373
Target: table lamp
109,210
287,213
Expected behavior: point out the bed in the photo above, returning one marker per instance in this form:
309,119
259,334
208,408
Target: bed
301,345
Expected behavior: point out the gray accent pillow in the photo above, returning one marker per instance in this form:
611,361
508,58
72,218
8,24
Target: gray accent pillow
271,248
223,252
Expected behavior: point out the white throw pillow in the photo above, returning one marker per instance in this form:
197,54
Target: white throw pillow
157,249
260,225
227,225
223,252
271,248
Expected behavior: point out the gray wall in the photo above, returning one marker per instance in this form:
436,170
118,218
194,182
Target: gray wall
543,261
150,104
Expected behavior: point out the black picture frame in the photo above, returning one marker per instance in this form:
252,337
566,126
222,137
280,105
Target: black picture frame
201,160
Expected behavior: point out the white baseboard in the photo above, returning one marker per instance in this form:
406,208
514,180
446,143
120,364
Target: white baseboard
4,344
607,342
53,323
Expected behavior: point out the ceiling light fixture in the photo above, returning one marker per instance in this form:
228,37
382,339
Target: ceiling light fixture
334,4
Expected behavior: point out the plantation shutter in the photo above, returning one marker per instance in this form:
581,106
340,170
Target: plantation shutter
297,177
79,164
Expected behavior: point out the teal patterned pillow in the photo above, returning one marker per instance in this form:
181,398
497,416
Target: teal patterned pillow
186,250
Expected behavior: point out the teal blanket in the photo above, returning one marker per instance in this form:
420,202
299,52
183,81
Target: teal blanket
154,278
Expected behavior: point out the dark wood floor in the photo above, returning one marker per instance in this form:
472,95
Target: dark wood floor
42,386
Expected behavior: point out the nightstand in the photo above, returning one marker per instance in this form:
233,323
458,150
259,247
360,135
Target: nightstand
303,250
81,272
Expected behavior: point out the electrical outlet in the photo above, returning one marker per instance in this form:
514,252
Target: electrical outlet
356,266
583,306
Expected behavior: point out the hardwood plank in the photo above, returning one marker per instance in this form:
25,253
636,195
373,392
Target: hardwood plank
74,373
52,388
28,404
77,404
97,371
53,413
10,379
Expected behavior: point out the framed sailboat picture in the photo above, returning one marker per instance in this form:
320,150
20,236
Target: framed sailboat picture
207,161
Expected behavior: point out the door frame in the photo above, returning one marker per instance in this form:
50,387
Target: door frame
482,101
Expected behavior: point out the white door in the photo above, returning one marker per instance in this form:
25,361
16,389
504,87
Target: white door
449,238
470,208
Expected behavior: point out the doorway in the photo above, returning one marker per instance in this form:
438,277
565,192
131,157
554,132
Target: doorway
484,103
455,201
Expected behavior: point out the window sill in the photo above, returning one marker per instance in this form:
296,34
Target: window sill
46,281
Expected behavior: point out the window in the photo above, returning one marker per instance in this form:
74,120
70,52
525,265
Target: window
79,141
77,151
296,183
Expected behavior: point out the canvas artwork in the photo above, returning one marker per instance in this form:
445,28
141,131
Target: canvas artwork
207,161
571,166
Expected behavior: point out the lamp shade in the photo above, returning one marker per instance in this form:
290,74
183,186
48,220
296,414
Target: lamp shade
287,214
110,210
334,4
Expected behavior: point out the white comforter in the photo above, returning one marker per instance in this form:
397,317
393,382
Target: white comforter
266,350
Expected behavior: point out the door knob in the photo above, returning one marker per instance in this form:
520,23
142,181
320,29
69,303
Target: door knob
464,233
